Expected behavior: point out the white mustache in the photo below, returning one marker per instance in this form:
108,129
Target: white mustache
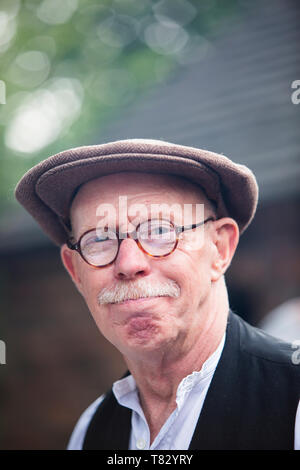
137,290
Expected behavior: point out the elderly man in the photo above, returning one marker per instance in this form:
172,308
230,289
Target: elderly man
147,230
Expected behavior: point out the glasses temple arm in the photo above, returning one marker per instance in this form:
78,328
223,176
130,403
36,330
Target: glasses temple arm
183,228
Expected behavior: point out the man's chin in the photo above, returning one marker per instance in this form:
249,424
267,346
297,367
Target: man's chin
140,326
141,334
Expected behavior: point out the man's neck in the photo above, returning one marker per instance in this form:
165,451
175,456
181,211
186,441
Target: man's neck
158,376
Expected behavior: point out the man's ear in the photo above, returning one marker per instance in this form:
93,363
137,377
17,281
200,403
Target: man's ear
68,259
226,238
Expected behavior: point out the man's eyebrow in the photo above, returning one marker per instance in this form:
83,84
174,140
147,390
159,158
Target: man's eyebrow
132,219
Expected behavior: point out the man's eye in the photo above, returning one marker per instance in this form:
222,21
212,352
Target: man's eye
160,230
97,239
101,238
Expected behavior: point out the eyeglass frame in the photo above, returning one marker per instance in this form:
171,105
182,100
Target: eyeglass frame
178,229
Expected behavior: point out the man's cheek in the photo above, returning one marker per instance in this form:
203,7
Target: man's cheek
91,284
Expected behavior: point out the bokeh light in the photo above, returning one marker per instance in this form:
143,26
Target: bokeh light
43,115
69,67
56,12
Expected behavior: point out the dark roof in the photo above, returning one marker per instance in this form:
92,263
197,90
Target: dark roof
235,100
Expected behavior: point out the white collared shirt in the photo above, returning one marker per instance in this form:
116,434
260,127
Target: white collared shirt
178,429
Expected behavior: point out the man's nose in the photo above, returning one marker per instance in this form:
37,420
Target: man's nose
131,261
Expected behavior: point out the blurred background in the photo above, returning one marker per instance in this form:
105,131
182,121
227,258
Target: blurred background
207,73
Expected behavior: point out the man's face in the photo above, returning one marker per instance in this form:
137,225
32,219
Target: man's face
159,322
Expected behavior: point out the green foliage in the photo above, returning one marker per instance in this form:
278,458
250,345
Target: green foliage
70,67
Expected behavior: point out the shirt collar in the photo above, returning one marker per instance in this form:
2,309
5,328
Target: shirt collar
127,385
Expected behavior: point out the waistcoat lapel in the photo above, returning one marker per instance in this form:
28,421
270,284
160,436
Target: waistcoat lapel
222,403
110,426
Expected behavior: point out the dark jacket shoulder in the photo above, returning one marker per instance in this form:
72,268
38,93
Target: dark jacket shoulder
256,342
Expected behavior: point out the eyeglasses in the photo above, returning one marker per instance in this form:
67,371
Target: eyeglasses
158,238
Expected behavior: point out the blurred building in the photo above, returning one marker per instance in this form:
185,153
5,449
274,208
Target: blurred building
233,97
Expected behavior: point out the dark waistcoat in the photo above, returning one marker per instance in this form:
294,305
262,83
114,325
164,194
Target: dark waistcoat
251,402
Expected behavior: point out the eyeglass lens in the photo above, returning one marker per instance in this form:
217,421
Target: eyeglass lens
100,246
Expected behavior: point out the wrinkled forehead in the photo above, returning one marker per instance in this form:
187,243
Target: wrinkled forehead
130,189
137,185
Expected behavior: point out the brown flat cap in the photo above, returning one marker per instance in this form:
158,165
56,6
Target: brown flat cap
47,190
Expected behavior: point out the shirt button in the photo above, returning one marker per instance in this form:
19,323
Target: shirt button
140,443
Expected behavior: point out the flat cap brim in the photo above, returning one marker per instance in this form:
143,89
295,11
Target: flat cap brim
47,190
